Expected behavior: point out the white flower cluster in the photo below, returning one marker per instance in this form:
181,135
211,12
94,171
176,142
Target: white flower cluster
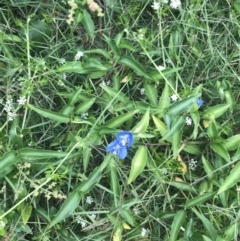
8,107
174,97
84,115
160,68
164,171
173,4
2,224
80,220
136,211
78,55
89,200
22,100
145,232
62,61
188,121
192,164
142,91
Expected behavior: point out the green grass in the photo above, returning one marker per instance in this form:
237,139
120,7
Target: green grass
179,181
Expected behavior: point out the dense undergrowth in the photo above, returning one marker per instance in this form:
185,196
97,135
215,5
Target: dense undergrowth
119,120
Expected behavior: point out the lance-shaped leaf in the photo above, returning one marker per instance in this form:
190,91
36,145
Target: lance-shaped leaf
50,114
135,66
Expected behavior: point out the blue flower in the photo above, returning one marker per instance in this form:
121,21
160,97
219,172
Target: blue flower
125,138
115,148
199,102
119,146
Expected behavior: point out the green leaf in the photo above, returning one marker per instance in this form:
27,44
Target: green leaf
125,44
36,154
192,149
183,186
95,176
164,101
176,140
50,114
142,125
178,221
207,224
232,143
92,66
199,199
220,150
69,205
161,127
138,163
215,111
113,46
118,95
9,159
40,31
86,152
114,182
231,179
74,96
152,93
156,75
208,168
88,24
119,120
177,125
26,213
212,130
134,65
128,216
84,107
98,51
180,106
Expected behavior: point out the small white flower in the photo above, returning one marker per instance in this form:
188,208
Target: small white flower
140,36
11,116
161,68
62,61
136,211
164,171
81,221
142,91
108,83
60,83
93,216
192,164
84,115
7,108
145,232
89,200
174,97
2,224
175,3
78,55
155,5
188,121
22,100
1,101
64,76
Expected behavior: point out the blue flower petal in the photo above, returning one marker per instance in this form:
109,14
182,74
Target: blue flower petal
125,138
119,146
122,152
111,147
199,102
